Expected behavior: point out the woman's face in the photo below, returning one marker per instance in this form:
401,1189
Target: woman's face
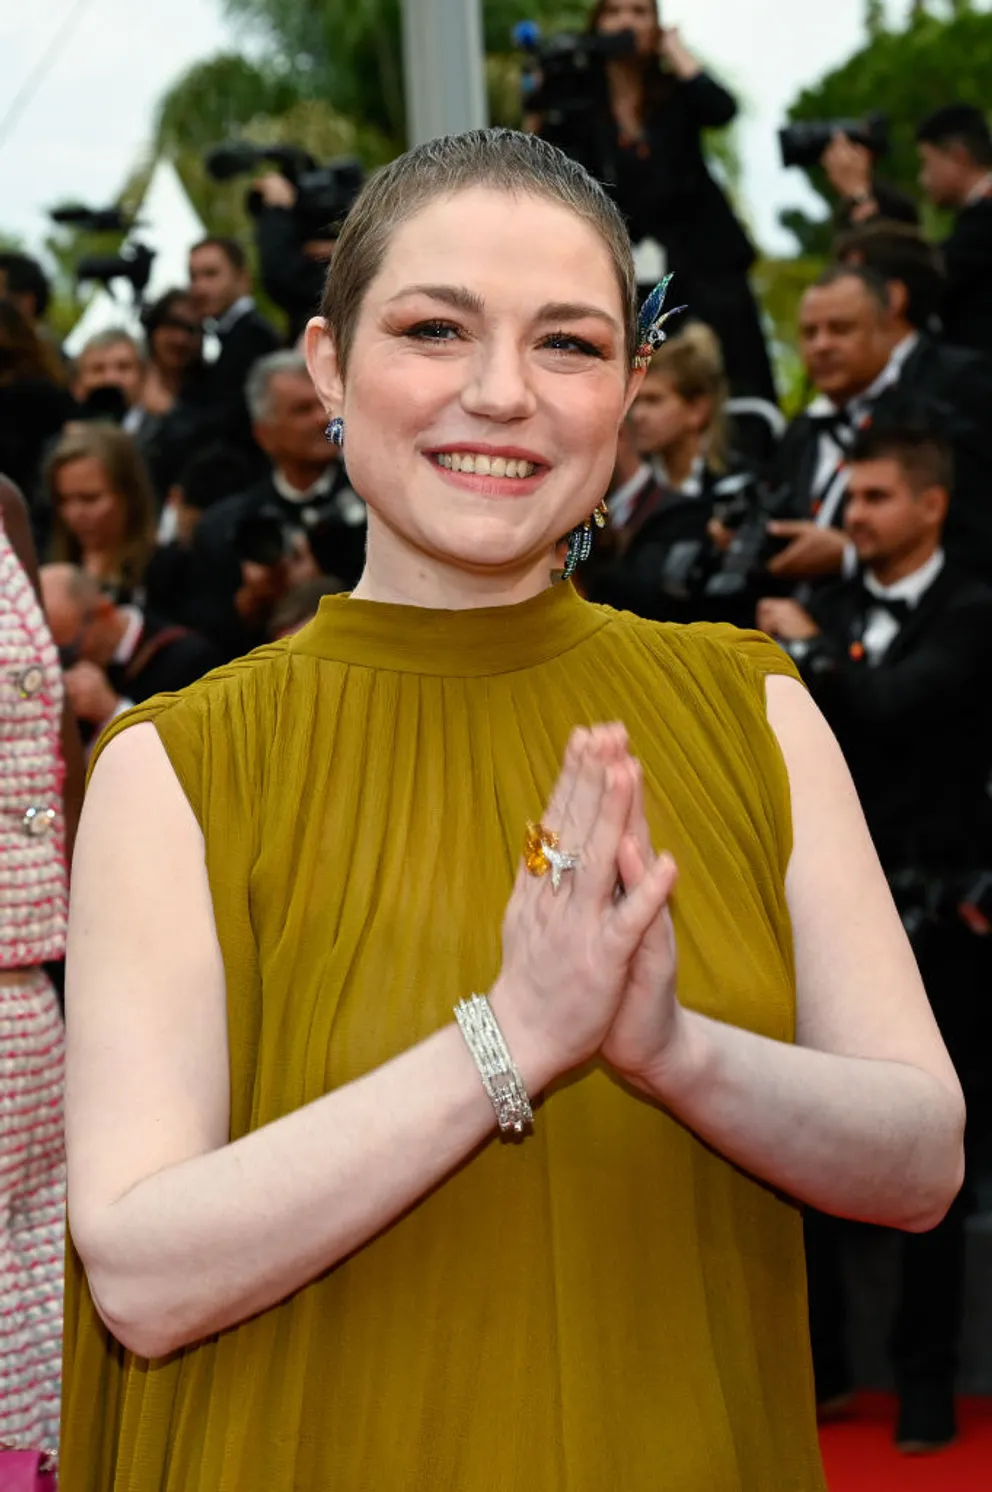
661,418
89,507
177,339
639,16
486,383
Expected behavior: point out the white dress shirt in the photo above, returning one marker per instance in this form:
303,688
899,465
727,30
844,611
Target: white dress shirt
881,627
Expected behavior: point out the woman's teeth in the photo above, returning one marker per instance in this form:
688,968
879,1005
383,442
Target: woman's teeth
484,466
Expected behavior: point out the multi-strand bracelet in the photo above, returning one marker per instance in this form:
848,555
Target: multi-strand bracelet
500,1077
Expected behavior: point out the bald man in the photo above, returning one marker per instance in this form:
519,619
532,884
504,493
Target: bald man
115,656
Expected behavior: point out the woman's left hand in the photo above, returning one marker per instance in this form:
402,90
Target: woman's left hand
648,1026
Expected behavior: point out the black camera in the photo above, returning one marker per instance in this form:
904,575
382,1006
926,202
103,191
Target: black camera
562,72
263,537
804,142
324,194
134,261
747,513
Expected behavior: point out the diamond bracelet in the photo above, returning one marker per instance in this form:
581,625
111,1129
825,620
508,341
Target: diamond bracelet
500,1077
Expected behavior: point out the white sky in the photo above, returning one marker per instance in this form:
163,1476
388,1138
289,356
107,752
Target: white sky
89,121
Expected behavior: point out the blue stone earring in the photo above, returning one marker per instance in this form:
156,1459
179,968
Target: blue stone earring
335,432
580,541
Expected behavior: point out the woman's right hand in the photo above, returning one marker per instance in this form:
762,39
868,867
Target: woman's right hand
566,955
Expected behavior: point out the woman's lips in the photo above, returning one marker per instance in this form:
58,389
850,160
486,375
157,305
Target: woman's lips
486,483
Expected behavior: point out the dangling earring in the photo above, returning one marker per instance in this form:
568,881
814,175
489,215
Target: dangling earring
335,432
580,540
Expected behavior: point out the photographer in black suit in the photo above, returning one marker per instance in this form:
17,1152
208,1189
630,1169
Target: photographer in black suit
899,658
866,354
237,336
300,520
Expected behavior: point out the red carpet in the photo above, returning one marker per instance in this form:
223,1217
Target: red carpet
859,1455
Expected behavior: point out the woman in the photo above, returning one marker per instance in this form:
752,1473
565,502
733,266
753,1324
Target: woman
34,405
104,509
290,1207
641,135
679,417
40,791
175,344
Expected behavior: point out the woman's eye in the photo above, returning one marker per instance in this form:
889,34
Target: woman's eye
433,331
562,342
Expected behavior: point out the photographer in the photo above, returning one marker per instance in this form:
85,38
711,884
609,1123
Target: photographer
634,118
864,352
301,519
954,145
899,658
220,290
292,261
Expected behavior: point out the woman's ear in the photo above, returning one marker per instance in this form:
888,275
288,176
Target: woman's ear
322,361
634,382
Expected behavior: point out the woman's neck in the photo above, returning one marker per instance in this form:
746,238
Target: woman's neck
397,573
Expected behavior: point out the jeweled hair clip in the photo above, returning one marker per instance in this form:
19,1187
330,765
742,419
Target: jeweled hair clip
651,323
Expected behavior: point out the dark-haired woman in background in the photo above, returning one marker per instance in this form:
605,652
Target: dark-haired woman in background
641,136
173,373
34,404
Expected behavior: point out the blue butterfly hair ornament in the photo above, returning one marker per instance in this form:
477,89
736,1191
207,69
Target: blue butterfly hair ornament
651,323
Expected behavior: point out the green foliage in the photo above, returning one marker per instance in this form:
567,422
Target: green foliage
934,60
350,52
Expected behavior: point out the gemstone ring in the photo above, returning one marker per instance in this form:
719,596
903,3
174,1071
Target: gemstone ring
543,855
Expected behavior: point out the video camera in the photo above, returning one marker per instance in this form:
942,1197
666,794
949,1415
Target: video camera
804,142
134,261
324,194
560,75
747,513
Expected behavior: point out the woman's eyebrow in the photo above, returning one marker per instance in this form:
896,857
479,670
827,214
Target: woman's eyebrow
458,296
576,311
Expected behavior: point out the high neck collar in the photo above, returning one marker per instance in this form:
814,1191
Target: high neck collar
457,644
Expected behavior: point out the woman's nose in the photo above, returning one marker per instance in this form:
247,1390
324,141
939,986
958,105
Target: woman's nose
499,387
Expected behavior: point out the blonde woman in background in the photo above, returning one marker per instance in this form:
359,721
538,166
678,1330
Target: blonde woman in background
104,508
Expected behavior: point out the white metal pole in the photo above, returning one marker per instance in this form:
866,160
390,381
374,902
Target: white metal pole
445,68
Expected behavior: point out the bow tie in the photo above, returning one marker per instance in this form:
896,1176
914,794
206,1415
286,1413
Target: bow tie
840,424
900,611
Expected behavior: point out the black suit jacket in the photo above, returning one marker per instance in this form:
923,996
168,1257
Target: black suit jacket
213,573
167,658
955,384
216,411
968,259
916,727
665,192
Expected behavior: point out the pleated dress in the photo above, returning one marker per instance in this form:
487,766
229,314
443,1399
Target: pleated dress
608,1306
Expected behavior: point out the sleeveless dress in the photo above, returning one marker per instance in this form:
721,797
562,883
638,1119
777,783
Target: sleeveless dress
607,1305
32,931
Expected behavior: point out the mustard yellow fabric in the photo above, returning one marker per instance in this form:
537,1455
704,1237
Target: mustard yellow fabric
608,1306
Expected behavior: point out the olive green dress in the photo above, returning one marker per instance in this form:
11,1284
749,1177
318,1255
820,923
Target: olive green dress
608,1306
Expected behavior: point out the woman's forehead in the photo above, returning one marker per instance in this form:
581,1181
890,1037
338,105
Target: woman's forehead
484,236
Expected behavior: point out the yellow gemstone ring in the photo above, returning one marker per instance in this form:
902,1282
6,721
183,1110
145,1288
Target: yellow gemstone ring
542,854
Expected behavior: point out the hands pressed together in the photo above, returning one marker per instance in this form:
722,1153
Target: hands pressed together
589,969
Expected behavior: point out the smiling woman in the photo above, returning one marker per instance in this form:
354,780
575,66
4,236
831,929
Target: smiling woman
290,1197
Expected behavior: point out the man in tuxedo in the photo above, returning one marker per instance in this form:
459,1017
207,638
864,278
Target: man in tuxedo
899,659
955,150
301,520
237,336
115,656
867,358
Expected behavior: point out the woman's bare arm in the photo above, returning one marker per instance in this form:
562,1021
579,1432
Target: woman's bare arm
183,1232
864,1116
